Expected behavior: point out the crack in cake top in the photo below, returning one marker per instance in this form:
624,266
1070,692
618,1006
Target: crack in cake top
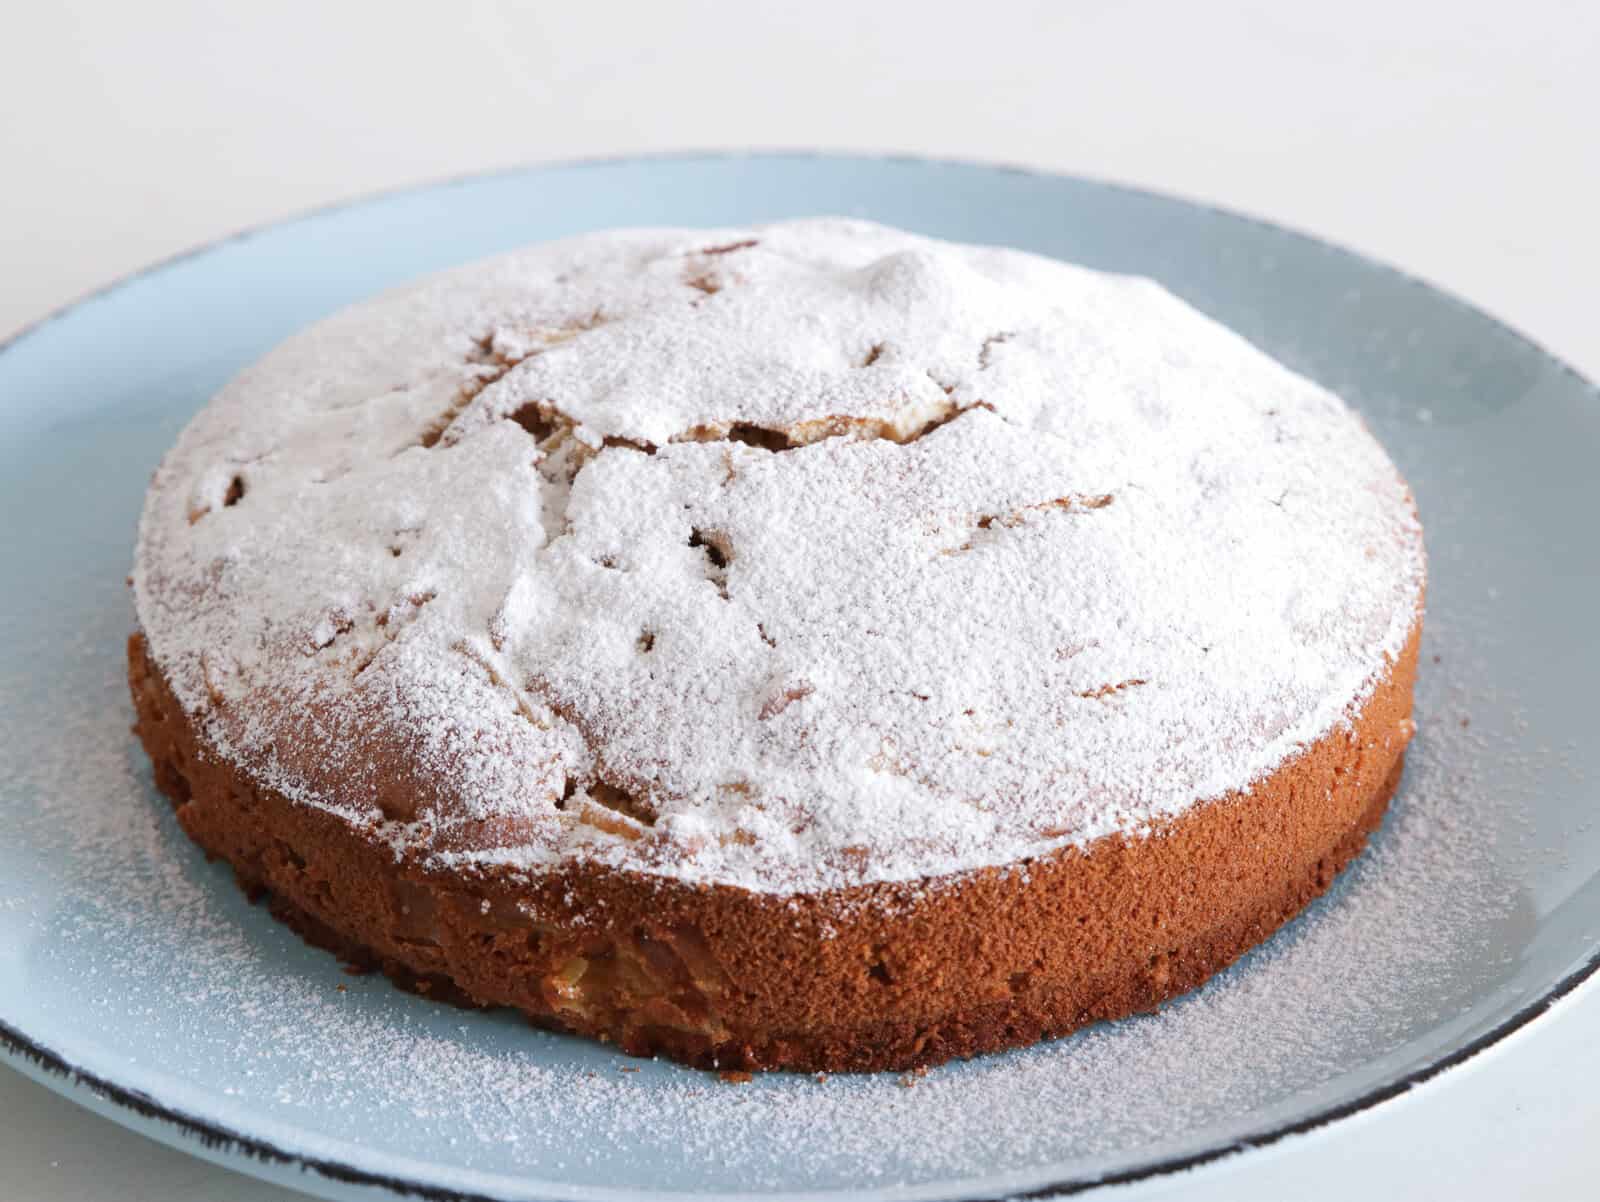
793,557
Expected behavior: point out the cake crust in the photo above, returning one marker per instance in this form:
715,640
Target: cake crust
889,976
790,558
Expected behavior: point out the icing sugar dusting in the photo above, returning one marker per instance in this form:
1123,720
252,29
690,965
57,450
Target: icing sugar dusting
140,938
836,553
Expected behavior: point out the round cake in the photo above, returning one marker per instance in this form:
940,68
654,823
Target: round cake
812,646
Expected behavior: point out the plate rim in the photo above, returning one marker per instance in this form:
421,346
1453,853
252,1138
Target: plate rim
57,1073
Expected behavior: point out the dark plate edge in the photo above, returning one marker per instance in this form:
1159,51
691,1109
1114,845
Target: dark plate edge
1277,229
216,1137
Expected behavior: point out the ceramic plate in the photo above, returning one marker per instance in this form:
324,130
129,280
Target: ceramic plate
136,978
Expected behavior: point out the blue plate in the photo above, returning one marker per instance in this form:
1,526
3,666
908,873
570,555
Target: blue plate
135,978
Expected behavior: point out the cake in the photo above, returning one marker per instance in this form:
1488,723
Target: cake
813,646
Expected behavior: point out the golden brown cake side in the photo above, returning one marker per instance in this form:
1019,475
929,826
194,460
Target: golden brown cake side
883,976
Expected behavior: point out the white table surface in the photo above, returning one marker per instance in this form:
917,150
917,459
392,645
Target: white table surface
1459,140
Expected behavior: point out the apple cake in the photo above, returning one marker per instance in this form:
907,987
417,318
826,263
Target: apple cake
812,646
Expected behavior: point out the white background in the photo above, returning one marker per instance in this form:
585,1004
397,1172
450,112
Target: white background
1460,141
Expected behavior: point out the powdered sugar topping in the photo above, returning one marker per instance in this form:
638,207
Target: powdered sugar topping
786,558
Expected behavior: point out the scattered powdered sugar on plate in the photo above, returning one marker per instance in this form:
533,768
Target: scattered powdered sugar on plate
837,553
133,934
